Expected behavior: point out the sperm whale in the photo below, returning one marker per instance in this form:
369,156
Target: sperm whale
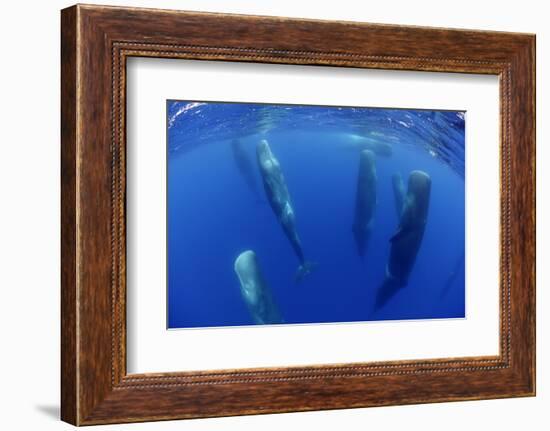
279,198
255,291
246,166
406,242
365,201
398,193
377,145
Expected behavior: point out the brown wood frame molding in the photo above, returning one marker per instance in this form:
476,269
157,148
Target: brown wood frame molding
95,43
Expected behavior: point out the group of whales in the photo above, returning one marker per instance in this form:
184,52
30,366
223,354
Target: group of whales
412,210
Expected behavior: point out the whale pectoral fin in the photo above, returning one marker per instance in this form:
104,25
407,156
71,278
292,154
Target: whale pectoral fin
404,231
401,232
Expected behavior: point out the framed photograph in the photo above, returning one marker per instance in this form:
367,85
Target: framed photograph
265,214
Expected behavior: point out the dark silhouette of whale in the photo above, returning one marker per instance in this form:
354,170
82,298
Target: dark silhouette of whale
457,270
406,242
279,199
255,291
365,201
246,167
359,142
398,193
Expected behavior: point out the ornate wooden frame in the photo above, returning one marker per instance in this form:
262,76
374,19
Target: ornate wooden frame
95,43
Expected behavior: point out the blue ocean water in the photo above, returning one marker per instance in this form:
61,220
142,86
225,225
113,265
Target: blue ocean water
218,208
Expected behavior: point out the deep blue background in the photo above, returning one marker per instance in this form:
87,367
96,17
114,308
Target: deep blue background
213,215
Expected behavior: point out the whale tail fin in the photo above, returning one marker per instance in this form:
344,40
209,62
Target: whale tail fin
390,286
303,270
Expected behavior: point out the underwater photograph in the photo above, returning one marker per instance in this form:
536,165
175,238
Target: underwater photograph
304,214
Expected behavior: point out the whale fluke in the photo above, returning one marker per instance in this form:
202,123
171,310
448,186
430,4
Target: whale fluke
390,286
255,291
303,270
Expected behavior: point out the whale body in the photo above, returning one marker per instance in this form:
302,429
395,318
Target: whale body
398,193
457,270
365,200
377,146
255,291
246,167
406,242
279,200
